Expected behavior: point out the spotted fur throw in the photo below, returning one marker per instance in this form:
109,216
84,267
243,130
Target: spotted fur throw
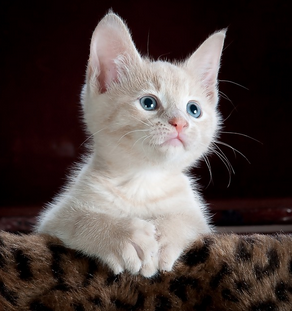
219,272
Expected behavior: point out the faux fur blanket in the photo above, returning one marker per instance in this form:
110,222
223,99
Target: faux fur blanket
219,272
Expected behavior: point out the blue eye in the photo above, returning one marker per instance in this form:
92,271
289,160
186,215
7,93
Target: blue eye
148,103
194,109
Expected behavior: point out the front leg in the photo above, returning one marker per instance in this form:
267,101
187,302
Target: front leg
175,233
123,243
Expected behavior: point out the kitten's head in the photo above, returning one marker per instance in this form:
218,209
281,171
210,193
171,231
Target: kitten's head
143,112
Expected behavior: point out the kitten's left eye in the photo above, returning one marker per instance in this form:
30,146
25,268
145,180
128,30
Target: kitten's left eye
148,103
194,109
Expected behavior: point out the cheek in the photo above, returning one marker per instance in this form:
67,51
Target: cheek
208,130
120,117
201,133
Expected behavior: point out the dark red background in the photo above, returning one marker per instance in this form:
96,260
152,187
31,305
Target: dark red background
44,50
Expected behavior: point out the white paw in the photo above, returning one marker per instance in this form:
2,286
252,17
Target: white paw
151,267
137,252
168,256
144,241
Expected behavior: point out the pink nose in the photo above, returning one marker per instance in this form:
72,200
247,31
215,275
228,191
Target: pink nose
178,123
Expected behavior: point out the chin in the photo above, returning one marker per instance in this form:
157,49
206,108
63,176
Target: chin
174,154
174,142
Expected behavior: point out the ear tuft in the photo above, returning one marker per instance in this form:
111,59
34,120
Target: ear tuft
110,41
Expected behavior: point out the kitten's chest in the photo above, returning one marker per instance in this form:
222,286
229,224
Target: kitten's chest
146,195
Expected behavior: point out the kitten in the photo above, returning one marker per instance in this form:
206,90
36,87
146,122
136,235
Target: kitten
131,204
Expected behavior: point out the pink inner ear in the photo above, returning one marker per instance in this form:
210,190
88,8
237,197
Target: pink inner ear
209,76
108,75
110,40
102,61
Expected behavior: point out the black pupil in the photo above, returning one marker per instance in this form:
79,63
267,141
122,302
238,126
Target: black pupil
148,102
194,109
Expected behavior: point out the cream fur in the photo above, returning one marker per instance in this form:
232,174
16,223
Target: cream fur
131,204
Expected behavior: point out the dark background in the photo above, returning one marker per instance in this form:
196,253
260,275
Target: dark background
44,51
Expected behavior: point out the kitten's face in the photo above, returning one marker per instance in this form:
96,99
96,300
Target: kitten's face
150,112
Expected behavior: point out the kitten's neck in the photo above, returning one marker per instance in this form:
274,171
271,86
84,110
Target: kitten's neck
123,169
135,186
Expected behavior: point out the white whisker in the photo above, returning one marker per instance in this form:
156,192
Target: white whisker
234,83
209,169
225,96
151,124
118,142
148,43
227,165
143,121
244,135
144,141
234,108
233,149
90,136
159,57
134,131
225,157
139,139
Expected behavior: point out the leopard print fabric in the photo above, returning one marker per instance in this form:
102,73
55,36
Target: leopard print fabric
219,272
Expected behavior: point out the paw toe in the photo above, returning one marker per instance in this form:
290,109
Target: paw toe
167,258
131,259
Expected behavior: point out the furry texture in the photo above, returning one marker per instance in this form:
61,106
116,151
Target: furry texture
131,204
218,272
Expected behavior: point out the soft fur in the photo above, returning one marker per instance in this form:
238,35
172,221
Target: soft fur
218,272
131,204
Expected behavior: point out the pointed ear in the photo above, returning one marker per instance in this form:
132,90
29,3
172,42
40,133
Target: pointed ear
110,41
205,61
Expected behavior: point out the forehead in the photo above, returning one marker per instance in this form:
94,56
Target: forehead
167,75
172,83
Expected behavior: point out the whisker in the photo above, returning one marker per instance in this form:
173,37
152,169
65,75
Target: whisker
159,57
234,83
148,43
90,136
233,149
209,169
221,155
143,121
234,108
151,124
132,132
225,96
227,165
144,141
227,46
151,142
118,142
225,157
244,135
139,139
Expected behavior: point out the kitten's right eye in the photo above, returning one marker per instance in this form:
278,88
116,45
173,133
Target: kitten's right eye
148,103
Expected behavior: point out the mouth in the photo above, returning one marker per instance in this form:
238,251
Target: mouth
175,142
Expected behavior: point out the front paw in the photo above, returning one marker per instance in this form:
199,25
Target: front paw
138,251
146,246
168,256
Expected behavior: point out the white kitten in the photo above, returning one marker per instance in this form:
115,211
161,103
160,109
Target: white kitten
131,204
